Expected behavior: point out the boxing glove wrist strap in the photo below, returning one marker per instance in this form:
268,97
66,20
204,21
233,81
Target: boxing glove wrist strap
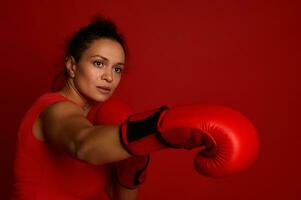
140,126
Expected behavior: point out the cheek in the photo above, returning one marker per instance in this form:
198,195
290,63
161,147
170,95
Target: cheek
117,80
86,80
91,75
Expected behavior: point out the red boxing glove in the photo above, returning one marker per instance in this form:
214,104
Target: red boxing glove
131,172
227,140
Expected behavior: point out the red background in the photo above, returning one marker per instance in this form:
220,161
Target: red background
241,54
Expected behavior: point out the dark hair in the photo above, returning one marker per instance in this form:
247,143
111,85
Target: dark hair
99,27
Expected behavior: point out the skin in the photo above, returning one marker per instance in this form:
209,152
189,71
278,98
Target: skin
64,125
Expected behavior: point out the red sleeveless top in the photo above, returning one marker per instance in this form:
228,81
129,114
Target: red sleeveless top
42,173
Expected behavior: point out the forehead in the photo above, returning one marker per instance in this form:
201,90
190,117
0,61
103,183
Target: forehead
107,48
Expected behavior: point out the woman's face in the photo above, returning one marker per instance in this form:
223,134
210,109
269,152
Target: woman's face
98,72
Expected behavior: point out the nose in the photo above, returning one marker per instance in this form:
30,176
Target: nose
107,74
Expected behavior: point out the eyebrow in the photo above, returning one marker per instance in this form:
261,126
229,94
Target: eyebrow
106,59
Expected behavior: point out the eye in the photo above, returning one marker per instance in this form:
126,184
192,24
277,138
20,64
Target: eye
118,69
98,63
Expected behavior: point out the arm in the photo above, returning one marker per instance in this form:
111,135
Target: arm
66,127
218,131
126,175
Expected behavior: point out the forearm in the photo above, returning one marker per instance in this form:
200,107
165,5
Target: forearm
101,145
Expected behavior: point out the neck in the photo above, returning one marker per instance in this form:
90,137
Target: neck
72,93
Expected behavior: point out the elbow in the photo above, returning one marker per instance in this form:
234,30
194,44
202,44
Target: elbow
85,149
99,146
84,152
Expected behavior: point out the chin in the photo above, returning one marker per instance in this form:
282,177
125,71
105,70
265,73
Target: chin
102,98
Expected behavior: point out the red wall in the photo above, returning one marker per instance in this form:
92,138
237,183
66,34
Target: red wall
241,54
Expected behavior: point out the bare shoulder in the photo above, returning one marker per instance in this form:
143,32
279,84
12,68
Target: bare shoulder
61,110
62,122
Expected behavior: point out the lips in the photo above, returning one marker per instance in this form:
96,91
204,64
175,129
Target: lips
103,89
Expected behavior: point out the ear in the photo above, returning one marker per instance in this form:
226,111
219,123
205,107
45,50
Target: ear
71,66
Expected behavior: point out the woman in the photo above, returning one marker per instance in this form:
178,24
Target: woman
54,159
